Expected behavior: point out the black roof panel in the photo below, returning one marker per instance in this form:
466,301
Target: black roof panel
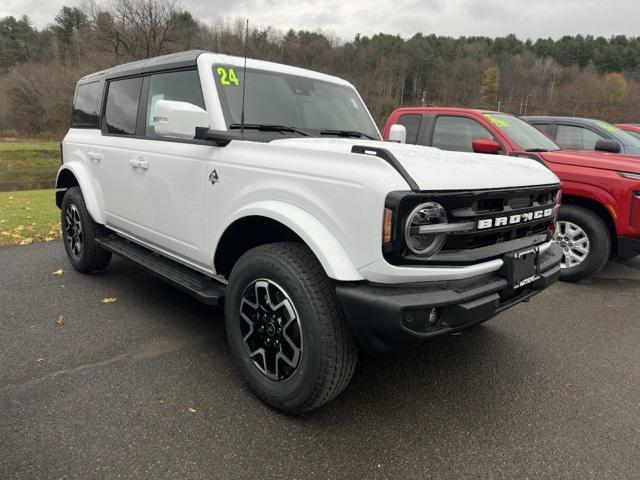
163,62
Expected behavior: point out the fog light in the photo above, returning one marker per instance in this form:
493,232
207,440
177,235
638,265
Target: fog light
434,317
422,320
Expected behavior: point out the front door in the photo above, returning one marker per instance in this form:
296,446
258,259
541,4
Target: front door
168,176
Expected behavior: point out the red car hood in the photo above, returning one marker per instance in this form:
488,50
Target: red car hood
601,160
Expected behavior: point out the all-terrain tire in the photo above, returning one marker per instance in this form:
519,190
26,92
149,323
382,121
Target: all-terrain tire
328,352
86,256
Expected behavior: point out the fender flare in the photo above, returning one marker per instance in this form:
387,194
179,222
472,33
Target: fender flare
80,173
325,246
593,193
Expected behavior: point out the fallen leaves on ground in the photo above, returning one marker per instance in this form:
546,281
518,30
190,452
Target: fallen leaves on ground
109,300
58,272
60,320
30,214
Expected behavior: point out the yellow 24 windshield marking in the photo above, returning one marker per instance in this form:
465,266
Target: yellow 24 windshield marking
227,76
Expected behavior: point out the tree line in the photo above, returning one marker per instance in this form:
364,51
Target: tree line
574,75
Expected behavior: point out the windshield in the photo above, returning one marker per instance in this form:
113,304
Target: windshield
621,135
634,134
273,98
524,134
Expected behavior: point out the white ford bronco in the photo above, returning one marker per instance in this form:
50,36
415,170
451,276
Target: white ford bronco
267,189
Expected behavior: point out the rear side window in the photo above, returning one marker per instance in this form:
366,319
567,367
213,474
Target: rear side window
177,86
457,133
411,122
86,105
577,138
121,111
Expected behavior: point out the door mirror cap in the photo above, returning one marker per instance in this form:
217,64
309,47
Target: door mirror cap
398,133
178,119
485,145
606,145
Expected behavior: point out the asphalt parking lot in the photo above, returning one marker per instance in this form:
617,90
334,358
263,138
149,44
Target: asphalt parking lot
145,388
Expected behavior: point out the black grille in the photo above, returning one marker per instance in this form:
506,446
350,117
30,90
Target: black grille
485,239
496,204
475,245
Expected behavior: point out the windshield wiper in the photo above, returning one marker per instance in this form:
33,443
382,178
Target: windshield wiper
268,128
536,150
346,133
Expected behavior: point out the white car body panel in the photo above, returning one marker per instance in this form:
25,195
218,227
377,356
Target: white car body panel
79,167
333,199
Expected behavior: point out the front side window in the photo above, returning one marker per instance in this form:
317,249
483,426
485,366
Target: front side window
86,105
457,133
524,134
577,138
411,122
121,111
308,104
181,86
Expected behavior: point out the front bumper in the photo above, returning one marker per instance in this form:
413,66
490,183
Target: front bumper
628,247
394,317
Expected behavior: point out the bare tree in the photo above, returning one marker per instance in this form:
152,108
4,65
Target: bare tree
144,24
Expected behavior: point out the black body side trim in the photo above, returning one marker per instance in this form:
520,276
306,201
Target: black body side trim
388,157
204,288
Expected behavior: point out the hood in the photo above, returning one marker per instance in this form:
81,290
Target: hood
593,159
435,169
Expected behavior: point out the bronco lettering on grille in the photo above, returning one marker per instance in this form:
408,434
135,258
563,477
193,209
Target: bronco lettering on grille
514,219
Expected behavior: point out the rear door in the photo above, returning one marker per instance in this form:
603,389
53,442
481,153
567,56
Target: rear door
120,143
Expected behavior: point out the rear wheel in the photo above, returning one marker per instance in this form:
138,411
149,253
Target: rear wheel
585,242
286,332
79,232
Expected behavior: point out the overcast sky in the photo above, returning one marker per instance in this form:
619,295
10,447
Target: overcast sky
344,18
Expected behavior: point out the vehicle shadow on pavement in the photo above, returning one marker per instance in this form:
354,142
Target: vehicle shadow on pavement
458,371
452,374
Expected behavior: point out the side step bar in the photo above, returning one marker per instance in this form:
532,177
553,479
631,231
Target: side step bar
204,288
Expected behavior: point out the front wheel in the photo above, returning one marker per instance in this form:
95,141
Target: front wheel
285,329
585,242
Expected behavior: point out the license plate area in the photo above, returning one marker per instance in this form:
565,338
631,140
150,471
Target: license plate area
522,267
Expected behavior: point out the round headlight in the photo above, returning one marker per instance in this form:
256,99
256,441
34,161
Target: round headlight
424,243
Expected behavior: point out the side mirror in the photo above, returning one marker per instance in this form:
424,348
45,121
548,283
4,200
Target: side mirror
606,145
177,119
485,145
397,133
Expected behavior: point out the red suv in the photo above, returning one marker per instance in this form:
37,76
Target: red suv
600,216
